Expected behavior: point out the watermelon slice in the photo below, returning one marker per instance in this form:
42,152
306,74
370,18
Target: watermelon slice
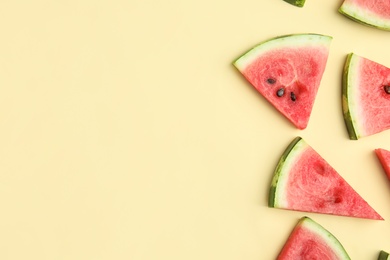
287,71
383,255
304,181
298,3
366,97
384,158
375,13
309,240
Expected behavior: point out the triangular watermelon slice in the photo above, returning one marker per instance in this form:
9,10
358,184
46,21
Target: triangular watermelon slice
384,158
309,240
366,96
287,71
375,13
304,181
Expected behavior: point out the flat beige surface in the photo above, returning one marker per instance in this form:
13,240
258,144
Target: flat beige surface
126,133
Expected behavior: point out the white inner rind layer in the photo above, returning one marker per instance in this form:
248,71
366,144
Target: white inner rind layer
353,94
363,15
282,176
330,239
287,41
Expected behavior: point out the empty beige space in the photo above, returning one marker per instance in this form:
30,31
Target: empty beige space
126,133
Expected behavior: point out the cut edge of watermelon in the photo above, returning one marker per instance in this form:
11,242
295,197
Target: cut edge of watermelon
348,102
286,161
363,16
280,42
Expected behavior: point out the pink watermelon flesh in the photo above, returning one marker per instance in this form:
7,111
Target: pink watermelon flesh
366,94
374,13
309,240
384,158
304,181
324,189
374,100
287,71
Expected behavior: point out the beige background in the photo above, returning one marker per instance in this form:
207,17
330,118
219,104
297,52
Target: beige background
126,133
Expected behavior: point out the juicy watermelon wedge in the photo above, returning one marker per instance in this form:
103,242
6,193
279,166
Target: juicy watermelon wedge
384,158
298,3
375,13
309,240
365,96
287,71
304,181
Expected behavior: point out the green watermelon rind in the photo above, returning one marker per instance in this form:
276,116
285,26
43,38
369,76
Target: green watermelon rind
348,104
286,161
383,255
283,41
298,3
333,243
364,16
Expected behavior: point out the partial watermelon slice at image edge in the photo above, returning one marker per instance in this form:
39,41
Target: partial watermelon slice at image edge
365,96
312,240
287,70
384,158
304,181
383,255
298,3
363,15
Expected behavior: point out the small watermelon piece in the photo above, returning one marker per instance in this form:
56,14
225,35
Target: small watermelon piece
310,240
383,255
384,158
375,13
304,181
365,96
287,71
298,3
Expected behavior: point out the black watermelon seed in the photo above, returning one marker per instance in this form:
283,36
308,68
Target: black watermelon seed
387,88
292,96
280,92
271,80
